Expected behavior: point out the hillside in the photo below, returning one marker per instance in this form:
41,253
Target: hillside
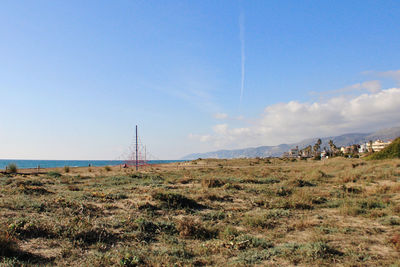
392,151
276,151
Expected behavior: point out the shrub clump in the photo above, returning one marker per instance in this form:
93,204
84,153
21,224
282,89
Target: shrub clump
212,182
66,169
12,168
176,201
8,245
54,174
188,227
30,229
321,250
283,192
83,231
34,190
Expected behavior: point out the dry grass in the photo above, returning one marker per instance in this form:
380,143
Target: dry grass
206,212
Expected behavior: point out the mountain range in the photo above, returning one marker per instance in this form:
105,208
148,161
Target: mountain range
278,150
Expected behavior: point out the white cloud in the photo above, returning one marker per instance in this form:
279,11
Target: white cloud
294,121
391,74
220,116
394,74
369,86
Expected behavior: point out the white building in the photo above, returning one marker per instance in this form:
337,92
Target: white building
294,152
363,148
378,145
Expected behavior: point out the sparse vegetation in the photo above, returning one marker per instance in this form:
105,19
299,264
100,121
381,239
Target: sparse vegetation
12,168
392,151
54,174
241,212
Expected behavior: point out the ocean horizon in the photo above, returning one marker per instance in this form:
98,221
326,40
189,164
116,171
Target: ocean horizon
29,164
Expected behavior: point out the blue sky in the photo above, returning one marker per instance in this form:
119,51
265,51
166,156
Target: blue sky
77,76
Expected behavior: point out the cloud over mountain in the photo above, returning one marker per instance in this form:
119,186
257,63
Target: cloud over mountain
294,120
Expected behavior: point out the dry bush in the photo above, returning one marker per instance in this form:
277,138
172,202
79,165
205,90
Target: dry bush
34,190
266,220
66,169
176,201
31,229
85,232
12,168
73,188
212,182
395,241
8,245
394,188
189,228
185,180
214,197
319,175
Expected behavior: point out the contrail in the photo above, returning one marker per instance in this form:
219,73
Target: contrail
241,36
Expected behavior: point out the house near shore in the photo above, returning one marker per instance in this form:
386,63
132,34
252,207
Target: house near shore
364,148
293,153
378,145
346,149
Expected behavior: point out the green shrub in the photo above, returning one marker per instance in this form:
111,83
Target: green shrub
107,168
66,168
54,174
12,168
30,229
321,250
259,221
392,151
247,241
131,259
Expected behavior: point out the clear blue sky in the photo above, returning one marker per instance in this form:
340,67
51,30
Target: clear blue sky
77,76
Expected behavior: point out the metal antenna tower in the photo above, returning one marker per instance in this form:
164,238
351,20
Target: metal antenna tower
137,159
137,154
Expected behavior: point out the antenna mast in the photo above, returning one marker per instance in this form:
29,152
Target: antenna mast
137,159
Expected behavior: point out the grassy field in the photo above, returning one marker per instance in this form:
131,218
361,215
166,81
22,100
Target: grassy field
274,212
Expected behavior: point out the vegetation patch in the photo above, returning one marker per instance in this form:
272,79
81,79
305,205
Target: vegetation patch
33,190
54,174
8,244
285,214
176,201
189,228
30,229
392,151
302,183
212,182
12,168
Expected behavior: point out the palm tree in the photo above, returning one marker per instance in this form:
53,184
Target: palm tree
316,147
332,147
370,146
308,150
355,148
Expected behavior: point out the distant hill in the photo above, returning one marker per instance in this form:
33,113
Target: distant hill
392,151
276,151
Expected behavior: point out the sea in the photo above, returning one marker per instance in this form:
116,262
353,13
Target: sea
27,164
